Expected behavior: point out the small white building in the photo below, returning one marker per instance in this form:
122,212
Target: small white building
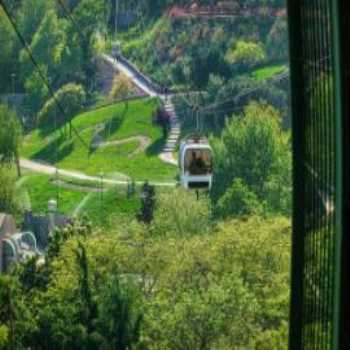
18,247
14,246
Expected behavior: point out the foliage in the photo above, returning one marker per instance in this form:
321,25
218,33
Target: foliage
148,203
4,333
67,102
184,52
31,14
37,91
8,199
119,320
7,44
121,87
277,41
117,162
248,54
179,214
15,318
223,290
220,289
238,200
10,137
253,148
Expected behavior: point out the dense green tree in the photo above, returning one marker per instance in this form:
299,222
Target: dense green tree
246,54
7,53
119,320
148,202
122,88
70,99
179,213
8,201
238,200
38,92
10,137
277,41
15,317
47,45
253,148
30,15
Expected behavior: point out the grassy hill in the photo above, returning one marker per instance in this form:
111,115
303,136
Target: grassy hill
123,122
77,198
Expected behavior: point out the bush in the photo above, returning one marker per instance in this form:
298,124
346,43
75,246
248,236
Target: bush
254,148
71,98
277,41
247,54
8,202
179,213
238,200
121,88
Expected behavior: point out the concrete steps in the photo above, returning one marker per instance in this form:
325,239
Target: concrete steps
174,134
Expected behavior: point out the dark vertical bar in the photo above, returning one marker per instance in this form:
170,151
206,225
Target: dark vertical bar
337,64
295,42
344,326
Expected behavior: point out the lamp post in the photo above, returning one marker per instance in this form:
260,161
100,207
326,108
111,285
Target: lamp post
13,78
116,18
101,196
58,188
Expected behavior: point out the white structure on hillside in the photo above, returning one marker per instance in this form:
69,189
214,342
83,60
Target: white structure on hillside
196,163
14,246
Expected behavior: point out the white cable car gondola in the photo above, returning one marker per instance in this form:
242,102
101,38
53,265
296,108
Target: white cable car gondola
196,163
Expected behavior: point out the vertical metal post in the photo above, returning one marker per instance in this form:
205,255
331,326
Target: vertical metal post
58,189
337,65
13,77
101,198
298,253
116,18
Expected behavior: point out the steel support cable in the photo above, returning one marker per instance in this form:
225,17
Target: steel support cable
37,67
189,103
69,16
75,24
247,92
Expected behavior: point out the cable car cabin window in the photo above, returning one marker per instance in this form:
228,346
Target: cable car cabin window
198,162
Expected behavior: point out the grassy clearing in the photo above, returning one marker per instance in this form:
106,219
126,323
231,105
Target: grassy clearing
115,122
103,209
268,72
39,189
111,207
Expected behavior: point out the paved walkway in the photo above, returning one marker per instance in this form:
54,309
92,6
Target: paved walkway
146,85
143,141
167,154
51,170
151,89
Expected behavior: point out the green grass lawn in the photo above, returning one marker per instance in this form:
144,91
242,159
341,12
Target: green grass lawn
109,208
103,209
36,190
268,72
120,121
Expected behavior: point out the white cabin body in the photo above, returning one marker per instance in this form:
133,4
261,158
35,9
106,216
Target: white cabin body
196,164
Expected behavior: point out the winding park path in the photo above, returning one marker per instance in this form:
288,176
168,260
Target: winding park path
152,90
52,170
143,141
